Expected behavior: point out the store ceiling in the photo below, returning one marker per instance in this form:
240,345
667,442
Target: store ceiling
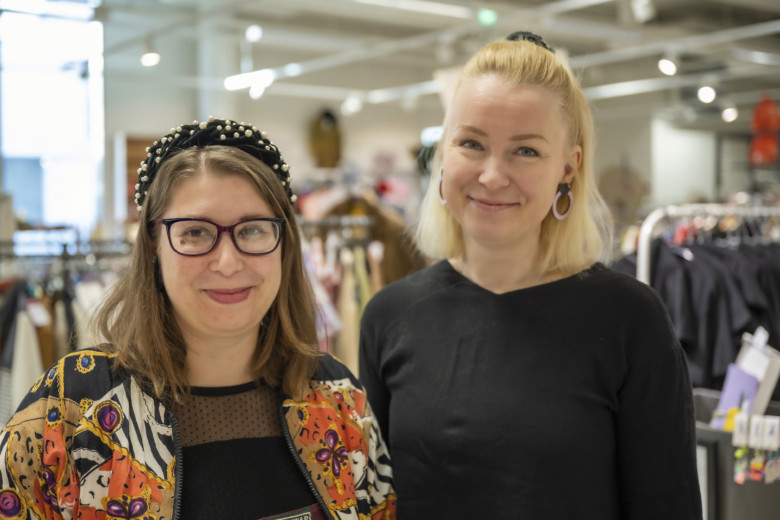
734,45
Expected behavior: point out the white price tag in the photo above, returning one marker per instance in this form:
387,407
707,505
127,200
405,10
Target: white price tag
754,362
756,437
39,316
771,433
740,437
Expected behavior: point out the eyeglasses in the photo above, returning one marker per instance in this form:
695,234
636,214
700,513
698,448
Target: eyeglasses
196,237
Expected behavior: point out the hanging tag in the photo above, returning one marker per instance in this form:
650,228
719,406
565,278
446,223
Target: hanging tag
756,435
771,440
740,435
740,465
772,468
38,314
757,466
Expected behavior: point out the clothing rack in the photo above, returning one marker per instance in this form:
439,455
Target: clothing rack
646,231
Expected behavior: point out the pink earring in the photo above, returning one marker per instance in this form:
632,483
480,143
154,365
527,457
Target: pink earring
441,198
564,190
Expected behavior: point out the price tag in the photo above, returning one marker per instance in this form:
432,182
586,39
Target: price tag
756,436
38,314
771,439
740,436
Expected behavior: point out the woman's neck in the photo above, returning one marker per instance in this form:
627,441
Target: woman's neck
215,363
501,270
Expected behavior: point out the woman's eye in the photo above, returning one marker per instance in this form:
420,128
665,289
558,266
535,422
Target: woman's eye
196,232
470,144
251,231
527,152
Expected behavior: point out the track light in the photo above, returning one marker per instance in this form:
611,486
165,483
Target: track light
150,57
643,10
729,113
706,94
253,33
668,65
352,105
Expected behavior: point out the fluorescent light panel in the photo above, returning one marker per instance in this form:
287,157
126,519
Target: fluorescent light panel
72,10
423,6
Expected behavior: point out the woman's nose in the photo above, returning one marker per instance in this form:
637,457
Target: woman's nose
493,175
226,258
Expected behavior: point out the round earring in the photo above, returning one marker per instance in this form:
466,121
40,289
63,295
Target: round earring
441,198
564,190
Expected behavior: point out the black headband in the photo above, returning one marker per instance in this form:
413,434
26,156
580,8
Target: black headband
529,37
221,132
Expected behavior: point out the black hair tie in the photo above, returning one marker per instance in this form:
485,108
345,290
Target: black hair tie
529,37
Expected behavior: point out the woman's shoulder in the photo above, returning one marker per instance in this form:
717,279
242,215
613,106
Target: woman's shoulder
330,369
418,285
619,291
81,374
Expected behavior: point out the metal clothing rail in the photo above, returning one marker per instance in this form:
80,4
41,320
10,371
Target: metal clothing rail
687,210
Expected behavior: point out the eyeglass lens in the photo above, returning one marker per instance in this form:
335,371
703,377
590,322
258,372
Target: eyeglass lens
196,237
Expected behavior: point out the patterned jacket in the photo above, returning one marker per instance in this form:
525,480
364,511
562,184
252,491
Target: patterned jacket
89,442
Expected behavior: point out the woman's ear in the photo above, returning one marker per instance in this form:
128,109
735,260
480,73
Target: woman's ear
572,165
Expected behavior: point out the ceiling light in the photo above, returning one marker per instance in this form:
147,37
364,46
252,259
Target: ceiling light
643,10
667,65
256,91
487,16
150,57
250,79
706,94
352,105
431,135
293,69
423,6
729,113
253,33
63,9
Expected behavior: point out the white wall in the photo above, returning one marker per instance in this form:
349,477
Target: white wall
683,165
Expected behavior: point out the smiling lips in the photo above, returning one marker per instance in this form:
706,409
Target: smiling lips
490,205
228,296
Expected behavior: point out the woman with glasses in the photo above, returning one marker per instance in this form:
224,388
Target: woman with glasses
209,398
518,377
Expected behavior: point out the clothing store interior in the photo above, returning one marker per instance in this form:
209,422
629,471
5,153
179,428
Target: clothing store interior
684,95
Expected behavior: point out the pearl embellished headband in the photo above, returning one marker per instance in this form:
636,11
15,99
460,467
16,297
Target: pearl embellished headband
243,136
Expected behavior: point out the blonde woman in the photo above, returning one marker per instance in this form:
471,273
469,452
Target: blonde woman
519,377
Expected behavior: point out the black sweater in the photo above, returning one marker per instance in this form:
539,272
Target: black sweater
561,401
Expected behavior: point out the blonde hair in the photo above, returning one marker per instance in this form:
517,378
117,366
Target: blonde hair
137,319
568,245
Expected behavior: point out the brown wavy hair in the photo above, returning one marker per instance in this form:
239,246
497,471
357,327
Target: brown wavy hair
137,320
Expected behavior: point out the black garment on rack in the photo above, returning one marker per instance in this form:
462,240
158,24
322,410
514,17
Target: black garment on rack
12,301
713,295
